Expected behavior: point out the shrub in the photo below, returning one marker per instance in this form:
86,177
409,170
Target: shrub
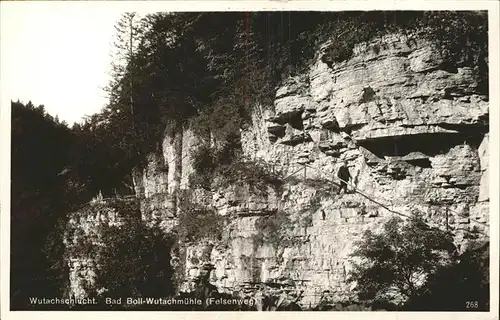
257,175
128,258
223,163
204,164
207,159
204,160
197,222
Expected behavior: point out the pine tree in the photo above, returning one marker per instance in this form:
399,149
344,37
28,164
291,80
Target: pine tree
128,33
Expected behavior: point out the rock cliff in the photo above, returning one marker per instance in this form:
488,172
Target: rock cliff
413,131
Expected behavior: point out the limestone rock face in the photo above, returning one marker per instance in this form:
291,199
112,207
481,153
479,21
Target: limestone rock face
401,90
415,138
413,132
166,171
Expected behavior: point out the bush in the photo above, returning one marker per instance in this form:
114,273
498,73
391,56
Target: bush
210,163
204,164
197,222
203,160
420,265
258,176
207,159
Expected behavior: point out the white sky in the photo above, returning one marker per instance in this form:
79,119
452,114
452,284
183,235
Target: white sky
60,58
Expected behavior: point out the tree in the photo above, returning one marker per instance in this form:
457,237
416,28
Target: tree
121,87
128,33
461,286
40,152
397,263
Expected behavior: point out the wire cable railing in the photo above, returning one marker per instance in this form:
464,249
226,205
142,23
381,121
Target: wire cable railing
363,194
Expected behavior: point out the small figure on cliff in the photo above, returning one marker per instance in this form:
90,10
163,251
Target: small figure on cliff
344,176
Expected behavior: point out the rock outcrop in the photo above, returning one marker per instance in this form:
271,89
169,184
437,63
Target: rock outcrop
83,231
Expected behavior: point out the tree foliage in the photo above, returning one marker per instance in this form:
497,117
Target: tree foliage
398,262
135,262
418,268
462,286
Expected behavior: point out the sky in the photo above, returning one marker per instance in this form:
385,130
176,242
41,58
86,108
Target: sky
60,56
